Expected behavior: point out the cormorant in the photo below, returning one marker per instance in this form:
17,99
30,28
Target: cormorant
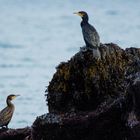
7,113
90,34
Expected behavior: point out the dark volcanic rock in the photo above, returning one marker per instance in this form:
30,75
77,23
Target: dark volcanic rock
94,99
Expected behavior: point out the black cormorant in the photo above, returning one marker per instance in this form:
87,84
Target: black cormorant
7,113
90,34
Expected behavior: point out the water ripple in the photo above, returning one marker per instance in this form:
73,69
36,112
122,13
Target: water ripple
8,45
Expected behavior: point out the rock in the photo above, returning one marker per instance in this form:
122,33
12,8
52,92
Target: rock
82,125
92,98
82,83
133,119
133,97
15,134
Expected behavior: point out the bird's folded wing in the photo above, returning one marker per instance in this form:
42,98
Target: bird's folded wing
5,114
91,35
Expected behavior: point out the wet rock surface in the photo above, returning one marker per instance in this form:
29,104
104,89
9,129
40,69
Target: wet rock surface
93,99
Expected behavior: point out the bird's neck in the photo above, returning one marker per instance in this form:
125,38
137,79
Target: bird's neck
84,21
9,103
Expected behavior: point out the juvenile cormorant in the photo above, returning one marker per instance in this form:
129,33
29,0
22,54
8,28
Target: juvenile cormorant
7,113
90,34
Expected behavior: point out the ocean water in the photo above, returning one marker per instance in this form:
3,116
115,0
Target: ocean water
36,35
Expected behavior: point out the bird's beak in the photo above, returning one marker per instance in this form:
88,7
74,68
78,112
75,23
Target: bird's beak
77,13
17,95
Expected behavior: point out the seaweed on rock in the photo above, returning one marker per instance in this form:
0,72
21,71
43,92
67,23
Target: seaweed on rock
82,83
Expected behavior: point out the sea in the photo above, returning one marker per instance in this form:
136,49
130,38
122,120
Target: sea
36,35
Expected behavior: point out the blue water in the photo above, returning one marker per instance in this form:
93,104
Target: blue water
36,35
